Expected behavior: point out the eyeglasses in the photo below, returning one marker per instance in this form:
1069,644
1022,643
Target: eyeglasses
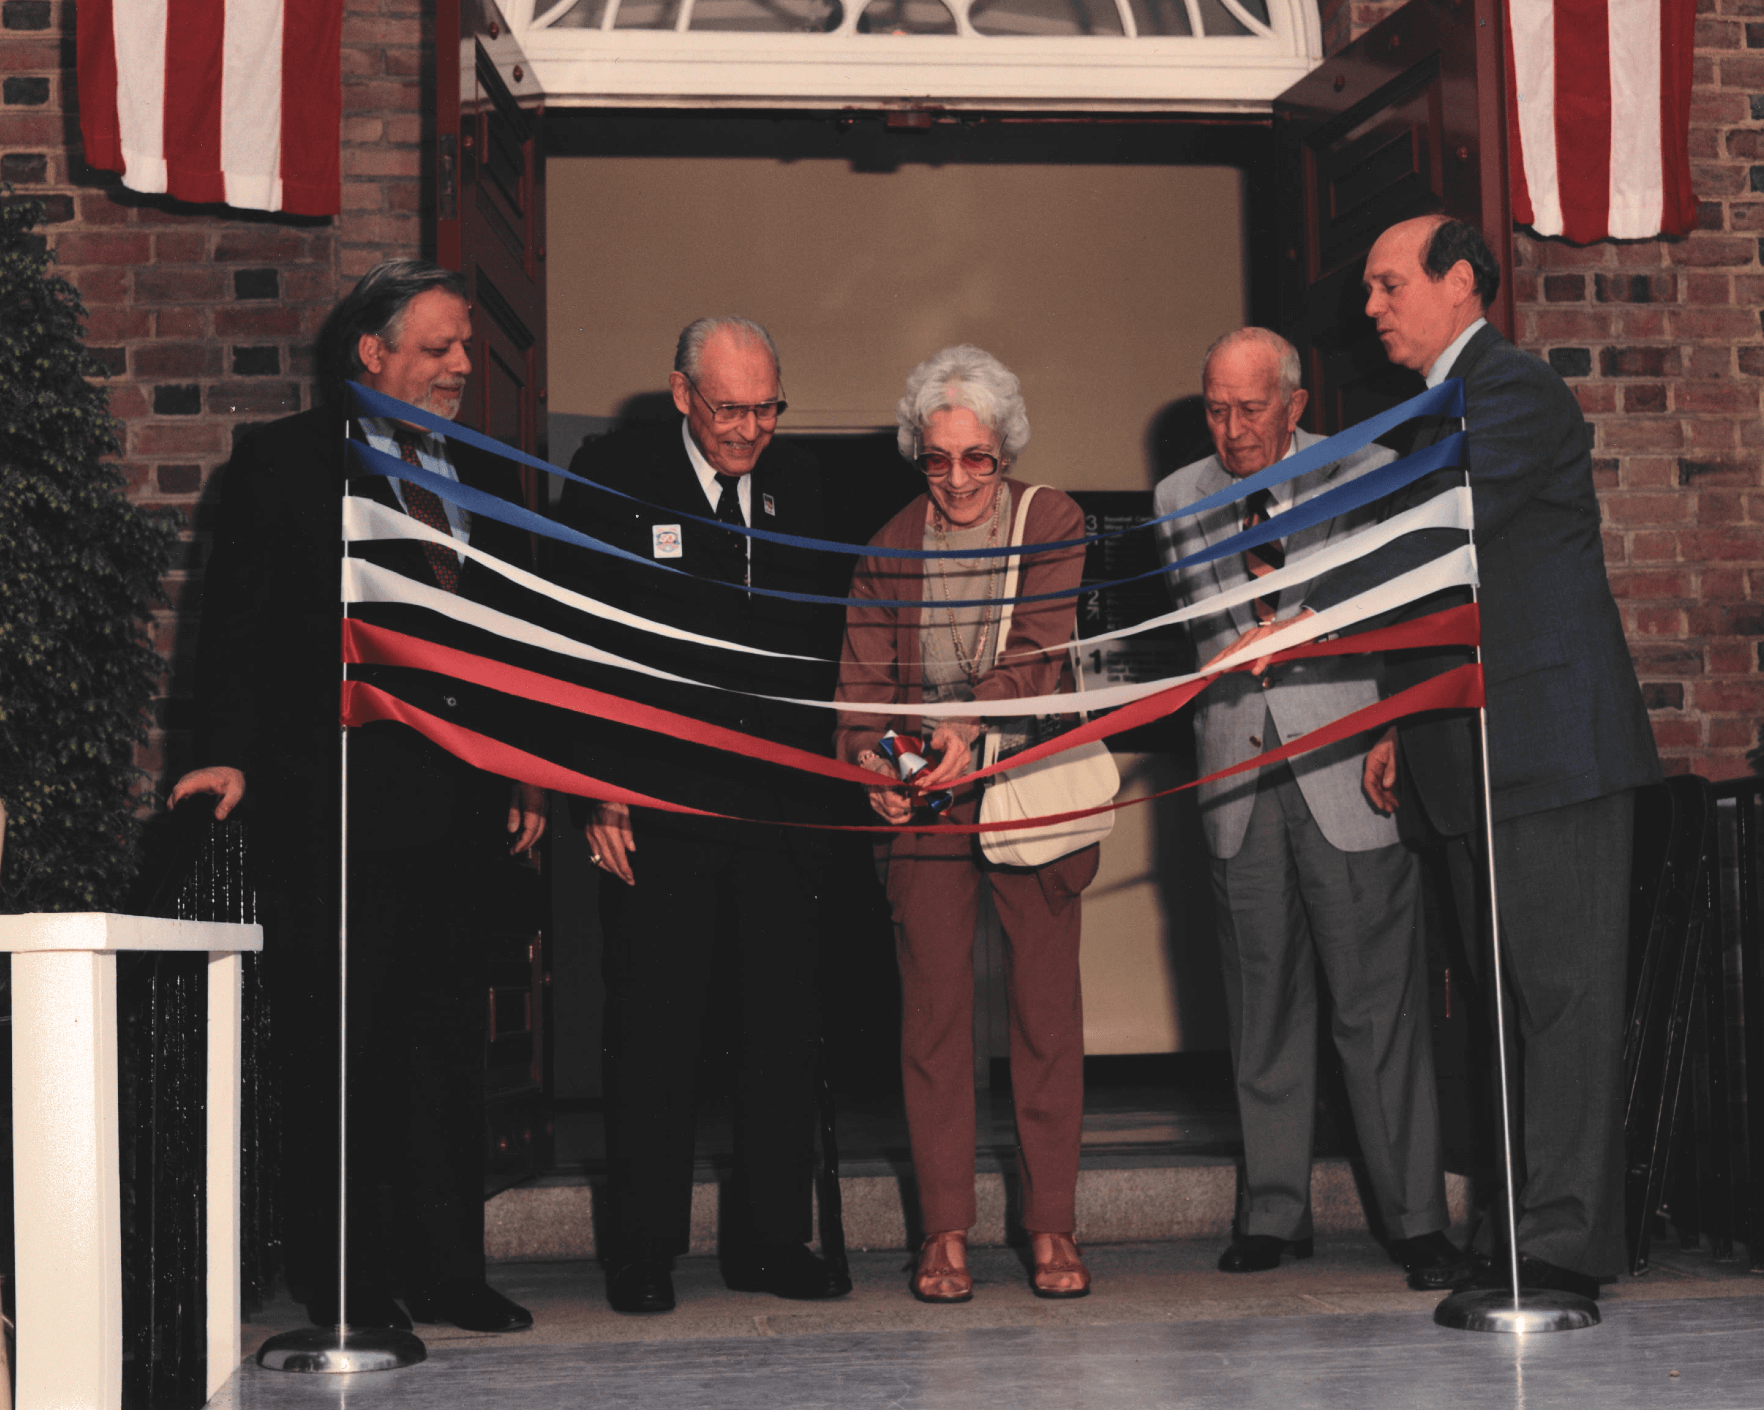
935,464
730,413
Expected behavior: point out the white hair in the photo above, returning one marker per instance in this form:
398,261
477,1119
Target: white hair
971,379
1286,371
689,350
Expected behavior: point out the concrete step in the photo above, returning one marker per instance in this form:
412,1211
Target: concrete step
1122,1200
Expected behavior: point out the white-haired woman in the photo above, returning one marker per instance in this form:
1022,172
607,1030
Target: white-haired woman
962,422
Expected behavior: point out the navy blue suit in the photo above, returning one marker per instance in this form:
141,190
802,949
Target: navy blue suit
1568,743
704,880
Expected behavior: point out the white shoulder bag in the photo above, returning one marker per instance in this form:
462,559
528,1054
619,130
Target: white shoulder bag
1084,777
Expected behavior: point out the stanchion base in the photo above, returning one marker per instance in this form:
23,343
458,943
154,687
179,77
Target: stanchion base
1539,1310
336,1350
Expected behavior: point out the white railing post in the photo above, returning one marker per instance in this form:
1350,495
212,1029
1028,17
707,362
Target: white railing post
67,1220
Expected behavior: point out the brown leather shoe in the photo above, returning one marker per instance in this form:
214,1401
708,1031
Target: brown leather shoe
1059,1268
941,1274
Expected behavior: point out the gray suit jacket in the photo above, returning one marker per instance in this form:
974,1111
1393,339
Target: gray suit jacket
1230,719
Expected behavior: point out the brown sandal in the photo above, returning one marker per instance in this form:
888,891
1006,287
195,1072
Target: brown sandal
1055,1263
941,1274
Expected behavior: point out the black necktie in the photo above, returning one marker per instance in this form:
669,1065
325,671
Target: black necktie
1264,558
729,512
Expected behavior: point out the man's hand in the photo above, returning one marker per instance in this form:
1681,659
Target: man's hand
955,738
892,803
227,784
1253,635
610,843
526,817
1380,776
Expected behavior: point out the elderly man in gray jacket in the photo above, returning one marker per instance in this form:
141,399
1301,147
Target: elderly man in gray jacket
1305,870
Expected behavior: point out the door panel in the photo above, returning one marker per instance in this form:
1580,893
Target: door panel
490,218
1407,120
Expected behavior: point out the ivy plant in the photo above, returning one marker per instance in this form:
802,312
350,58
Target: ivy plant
80,570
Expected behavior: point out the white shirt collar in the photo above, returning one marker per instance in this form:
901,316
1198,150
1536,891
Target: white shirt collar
1443,363
707,478
1280,495
708,475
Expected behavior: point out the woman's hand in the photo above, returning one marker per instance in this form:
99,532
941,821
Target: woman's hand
955,738
894,805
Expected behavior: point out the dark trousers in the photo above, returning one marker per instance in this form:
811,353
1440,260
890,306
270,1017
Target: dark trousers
416,1077
1563,877
659,942
1287,902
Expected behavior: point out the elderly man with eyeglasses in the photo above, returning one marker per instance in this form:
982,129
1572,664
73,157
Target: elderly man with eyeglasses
1308,877
694,904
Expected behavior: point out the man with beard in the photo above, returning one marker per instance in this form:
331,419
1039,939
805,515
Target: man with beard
425,829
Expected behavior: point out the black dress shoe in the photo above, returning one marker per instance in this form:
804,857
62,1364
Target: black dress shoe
473,1306
364,1309
1538,1274
786,1270
1257,1253
642,1285
1433,1262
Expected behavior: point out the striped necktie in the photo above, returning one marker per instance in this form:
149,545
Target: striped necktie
424,505
1263,558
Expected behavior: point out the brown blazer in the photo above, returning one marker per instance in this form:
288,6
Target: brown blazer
880,661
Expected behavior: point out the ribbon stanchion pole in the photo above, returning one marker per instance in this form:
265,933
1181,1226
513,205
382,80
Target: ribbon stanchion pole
1513,1308
341,1349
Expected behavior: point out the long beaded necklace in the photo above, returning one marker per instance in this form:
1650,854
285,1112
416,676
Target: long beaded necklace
994,581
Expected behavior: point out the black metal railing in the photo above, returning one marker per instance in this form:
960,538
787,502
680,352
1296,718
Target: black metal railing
1695,1146
195,869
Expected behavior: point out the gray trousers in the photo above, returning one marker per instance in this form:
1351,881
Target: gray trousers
1287,901
1564,888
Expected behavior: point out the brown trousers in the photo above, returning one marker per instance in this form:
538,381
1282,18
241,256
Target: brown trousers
934,888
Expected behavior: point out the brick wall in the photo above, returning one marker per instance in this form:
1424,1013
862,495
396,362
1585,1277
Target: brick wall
1662,342
203,315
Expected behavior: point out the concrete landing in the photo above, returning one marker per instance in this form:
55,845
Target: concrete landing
1119,1201
1162,1328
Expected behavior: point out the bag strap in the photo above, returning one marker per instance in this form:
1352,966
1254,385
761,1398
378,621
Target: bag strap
1019,521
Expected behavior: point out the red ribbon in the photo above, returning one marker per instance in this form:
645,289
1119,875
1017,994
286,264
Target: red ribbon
363,704
366,644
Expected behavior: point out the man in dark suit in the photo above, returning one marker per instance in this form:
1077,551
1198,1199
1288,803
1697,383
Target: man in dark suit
1568,736
672,879
424,828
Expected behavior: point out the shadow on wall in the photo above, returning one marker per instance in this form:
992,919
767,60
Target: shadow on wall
1177,436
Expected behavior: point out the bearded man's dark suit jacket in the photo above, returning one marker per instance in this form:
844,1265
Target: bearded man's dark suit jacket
424,829
695,875
1568,743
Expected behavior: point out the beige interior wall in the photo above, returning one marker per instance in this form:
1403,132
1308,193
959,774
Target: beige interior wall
1100,286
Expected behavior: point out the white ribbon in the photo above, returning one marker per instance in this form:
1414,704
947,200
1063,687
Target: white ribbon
368,582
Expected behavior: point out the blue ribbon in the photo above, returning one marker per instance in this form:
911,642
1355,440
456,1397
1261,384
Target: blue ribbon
1447,399
1356,493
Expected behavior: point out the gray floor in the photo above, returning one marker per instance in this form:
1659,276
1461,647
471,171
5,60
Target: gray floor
1161,1329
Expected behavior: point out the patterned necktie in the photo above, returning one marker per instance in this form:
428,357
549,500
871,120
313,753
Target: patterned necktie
1264,558
729,512
424,505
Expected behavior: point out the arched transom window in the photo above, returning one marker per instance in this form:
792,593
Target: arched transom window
1198,55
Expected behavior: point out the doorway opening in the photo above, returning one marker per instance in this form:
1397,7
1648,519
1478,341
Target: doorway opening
1098,257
